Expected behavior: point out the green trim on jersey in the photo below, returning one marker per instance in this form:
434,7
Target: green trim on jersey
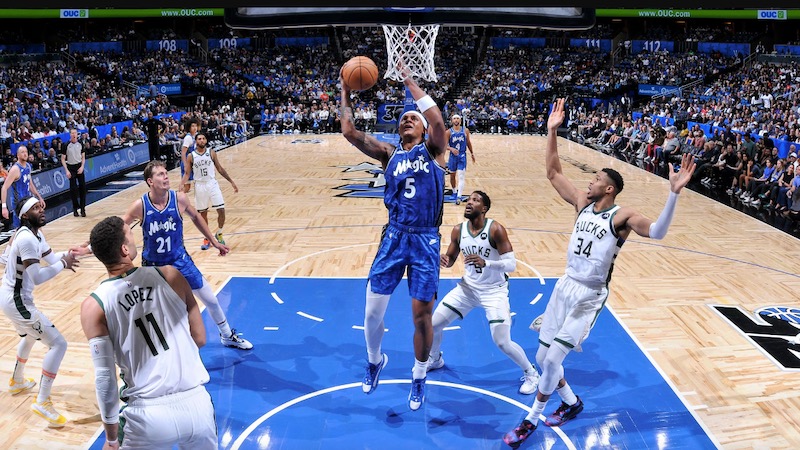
160,273
99,302
118,277
611,224
602,211
544,343
485,226
454,310
497,321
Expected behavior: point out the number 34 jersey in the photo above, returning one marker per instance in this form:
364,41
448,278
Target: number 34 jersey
593,246
149,328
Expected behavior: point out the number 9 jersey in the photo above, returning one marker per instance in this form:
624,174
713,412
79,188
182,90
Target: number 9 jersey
593,247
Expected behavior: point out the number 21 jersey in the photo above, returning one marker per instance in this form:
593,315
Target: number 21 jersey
163,232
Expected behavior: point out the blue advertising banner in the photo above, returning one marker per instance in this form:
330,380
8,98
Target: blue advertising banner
300,41
166,89
604,45
639,46
726,49
657,89
787,49
22,48
80,47
504,42
54,182
167,45
231,42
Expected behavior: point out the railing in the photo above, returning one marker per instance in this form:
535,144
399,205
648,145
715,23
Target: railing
69,59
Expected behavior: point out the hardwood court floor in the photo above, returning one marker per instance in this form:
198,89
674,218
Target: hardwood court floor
287,209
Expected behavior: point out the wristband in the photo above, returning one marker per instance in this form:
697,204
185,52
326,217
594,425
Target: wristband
4,205
115,441
425,103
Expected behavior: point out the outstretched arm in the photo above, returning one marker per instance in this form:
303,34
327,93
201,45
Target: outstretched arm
645,227
563,186
437,143
364,142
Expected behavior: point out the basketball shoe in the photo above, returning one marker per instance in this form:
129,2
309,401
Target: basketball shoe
564,413
517,436
235,341
416,397
372,374
15,388
206,245
434,364
530,381
46,410
219,237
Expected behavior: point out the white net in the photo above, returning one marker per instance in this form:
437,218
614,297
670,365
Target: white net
411,46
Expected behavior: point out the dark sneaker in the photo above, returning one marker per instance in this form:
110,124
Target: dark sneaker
417,395
235,341
517,436
372,374
564,413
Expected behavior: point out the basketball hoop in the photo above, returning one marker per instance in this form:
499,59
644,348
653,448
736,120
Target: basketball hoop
413,46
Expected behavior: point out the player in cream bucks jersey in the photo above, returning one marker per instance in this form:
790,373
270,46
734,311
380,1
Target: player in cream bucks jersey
203,164
147,321
601,227
488,258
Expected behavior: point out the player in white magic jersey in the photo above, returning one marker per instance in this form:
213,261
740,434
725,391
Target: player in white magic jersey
601,227
203,164
146,320
488,258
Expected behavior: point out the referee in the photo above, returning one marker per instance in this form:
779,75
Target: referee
73,159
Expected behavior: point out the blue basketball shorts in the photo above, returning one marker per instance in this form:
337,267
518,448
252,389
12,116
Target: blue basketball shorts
186,267
459,162
411,249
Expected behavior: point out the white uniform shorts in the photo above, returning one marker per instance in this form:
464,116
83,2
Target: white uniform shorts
207,194
27,319
464,298
185,419
571,312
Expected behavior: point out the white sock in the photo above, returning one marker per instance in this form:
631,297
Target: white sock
45,385
536,411
566,394
19,370
419,370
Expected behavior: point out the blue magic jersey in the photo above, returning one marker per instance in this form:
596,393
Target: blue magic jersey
22,187
414,190
163,232
458,140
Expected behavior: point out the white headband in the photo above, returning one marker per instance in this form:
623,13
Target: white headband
456,116
28,205
418,114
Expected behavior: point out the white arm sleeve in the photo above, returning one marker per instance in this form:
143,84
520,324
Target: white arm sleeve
507,263
105,378
54,257
41,274
658,229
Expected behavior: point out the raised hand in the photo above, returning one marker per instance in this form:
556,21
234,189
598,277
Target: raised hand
556,116
678,180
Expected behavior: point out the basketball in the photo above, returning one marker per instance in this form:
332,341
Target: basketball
360,73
